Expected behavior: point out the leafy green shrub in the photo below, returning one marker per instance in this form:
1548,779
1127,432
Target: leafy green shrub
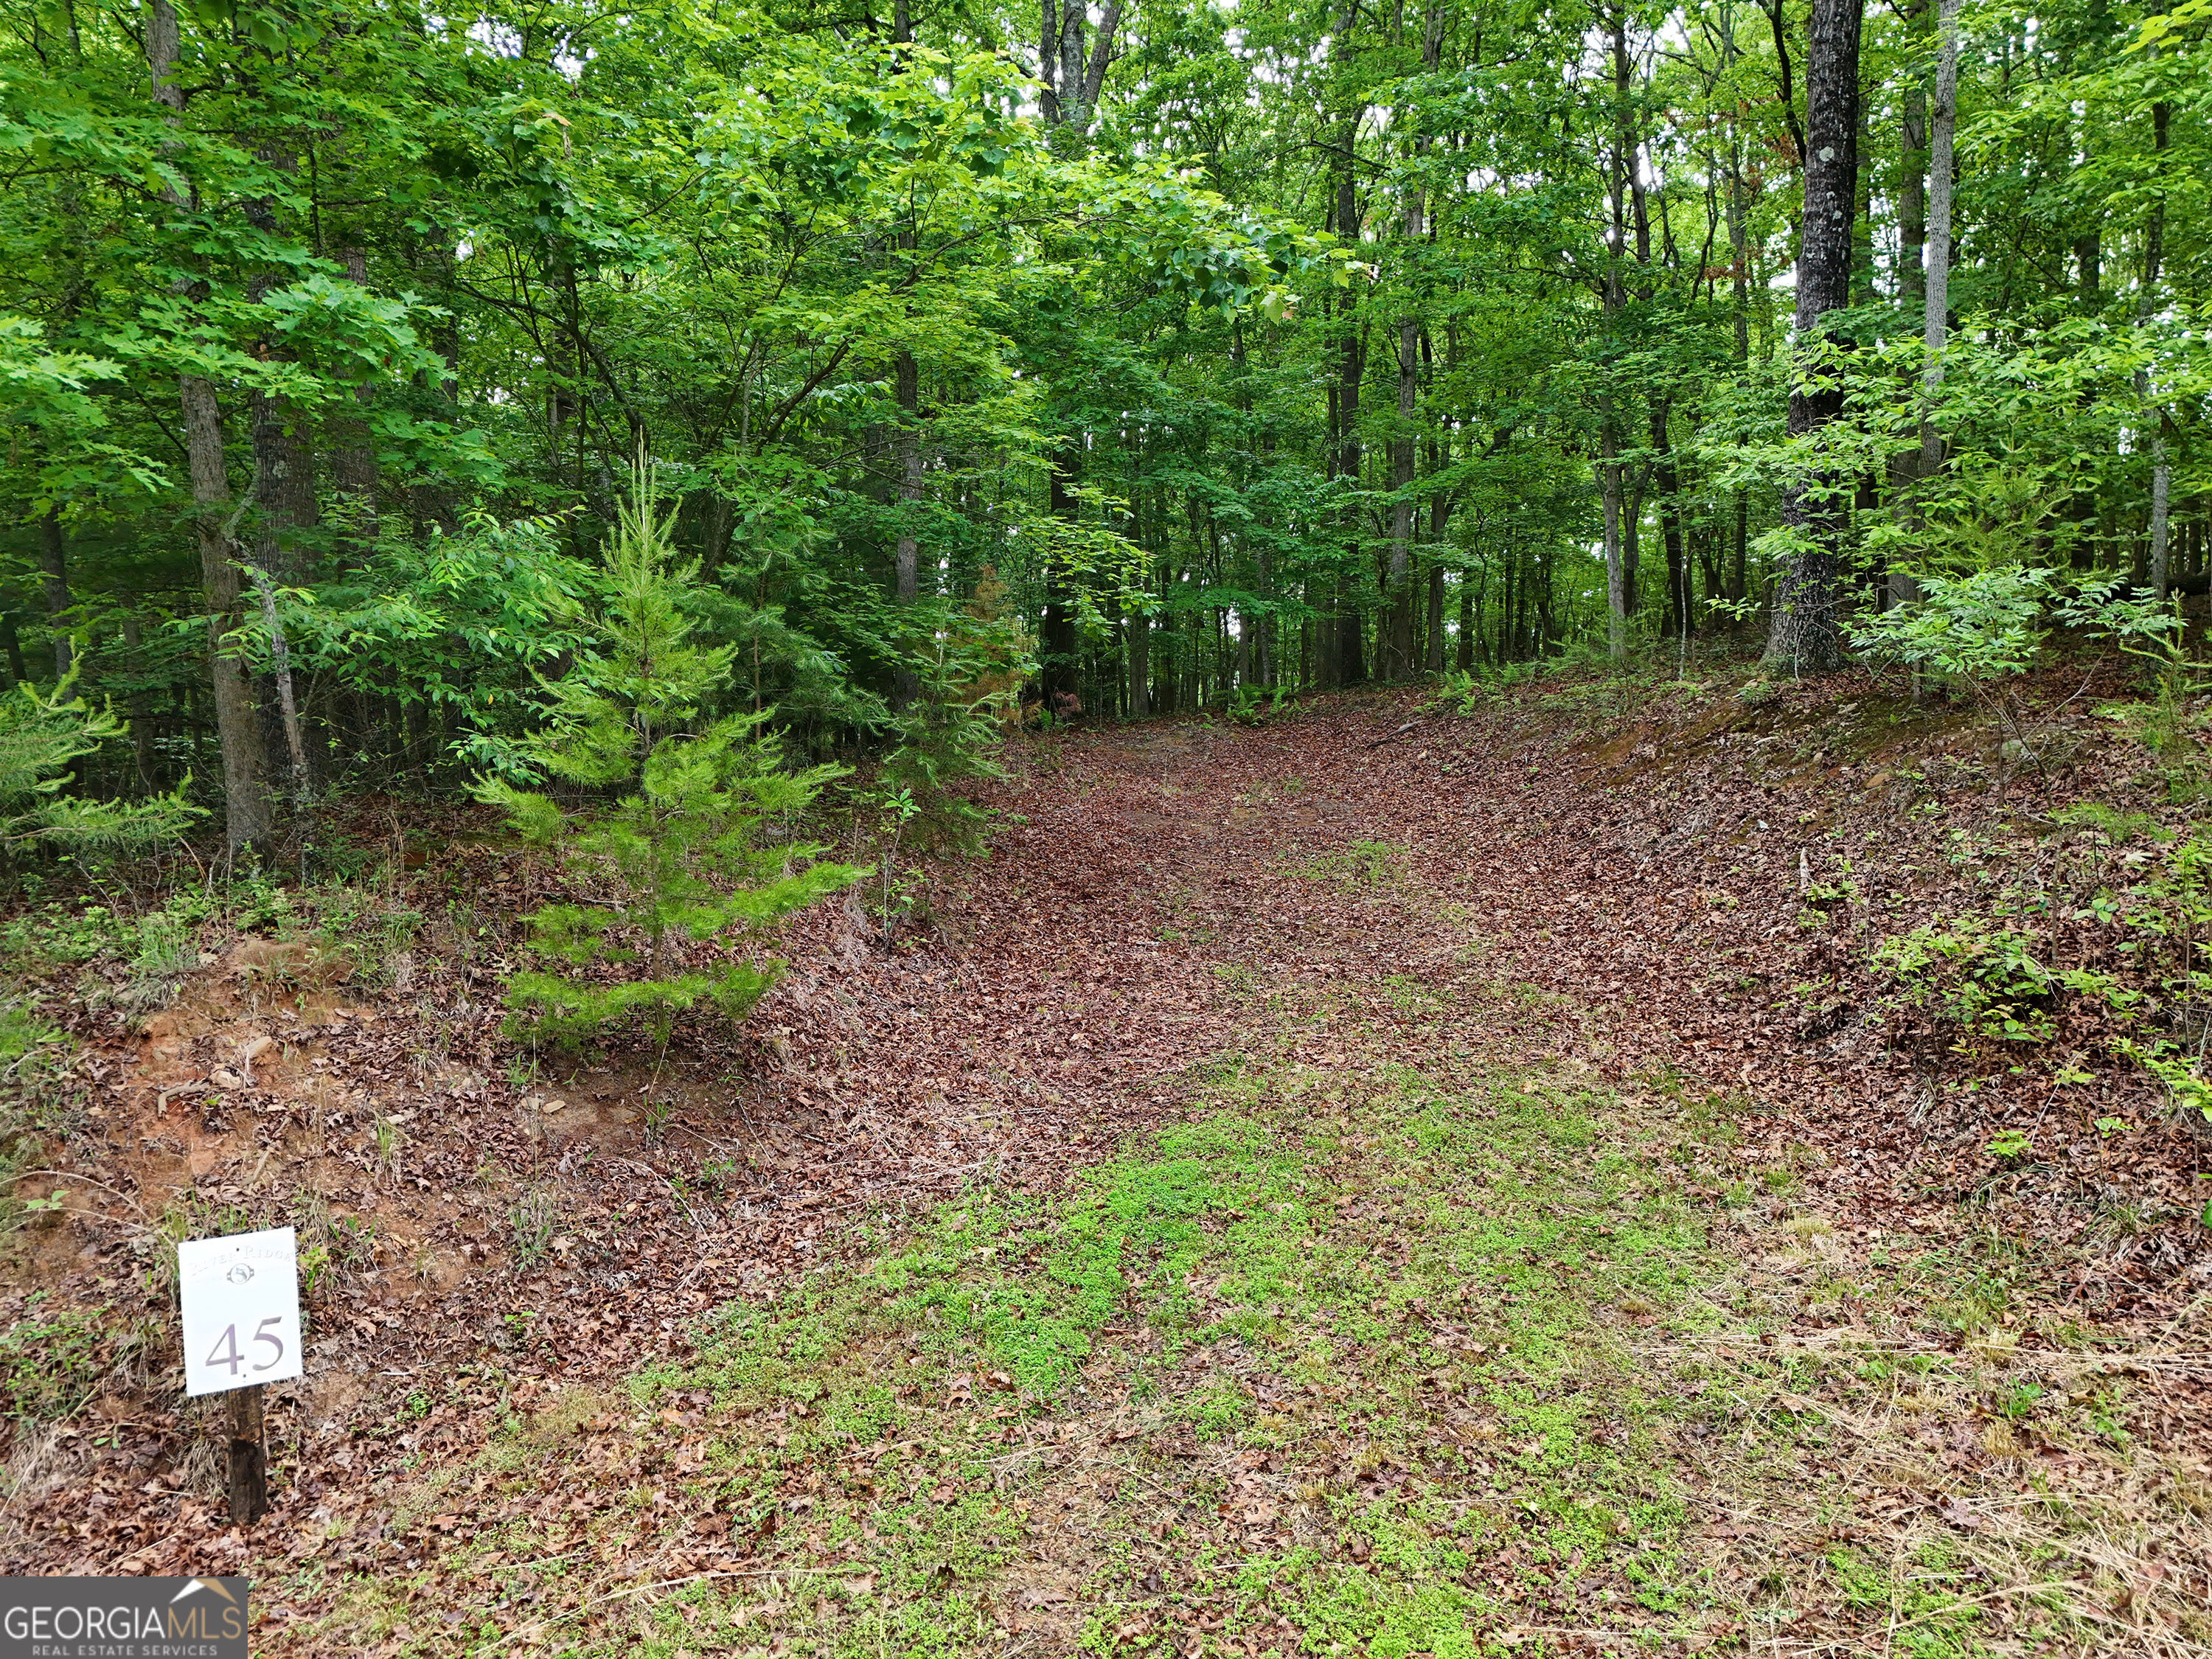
1982,977
2179,1069
454,622
1255,705
56,935
2150,630
679,854
945,739
2169,919
35,1080
2109,822
1978,630
1458,692
967,668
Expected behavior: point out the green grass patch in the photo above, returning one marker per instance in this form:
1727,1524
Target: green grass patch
1382,1366
1294,1368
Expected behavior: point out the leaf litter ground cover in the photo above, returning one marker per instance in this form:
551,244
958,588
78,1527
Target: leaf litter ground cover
1419,1305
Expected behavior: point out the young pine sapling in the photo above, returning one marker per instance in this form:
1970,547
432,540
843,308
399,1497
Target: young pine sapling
669,841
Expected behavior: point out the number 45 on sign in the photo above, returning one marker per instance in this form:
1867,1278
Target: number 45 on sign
241,1299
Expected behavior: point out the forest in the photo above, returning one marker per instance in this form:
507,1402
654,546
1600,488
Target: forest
1227,353
1142,826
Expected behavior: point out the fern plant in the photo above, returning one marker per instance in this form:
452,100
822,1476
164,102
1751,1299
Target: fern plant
666,820
41,735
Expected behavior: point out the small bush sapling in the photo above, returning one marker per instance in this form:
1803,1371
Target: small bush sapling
967,667
678,854
2151,630
898,809
1982,630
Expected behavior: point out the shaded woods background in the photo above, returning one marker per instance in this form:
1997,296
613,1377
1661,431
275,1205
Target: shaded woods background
1223,350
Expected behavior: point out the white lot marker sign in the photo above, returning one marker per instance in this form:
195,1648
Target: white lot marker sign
241,1309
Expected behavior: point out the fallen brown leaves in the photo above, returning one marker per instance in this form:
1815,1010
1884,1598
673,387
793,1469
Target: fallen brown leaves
1630,874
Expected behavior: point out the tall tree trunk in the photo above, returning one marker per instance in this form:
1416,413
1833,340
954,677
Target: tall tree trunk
1340,651
238,730
1397,653
1682,620
1073,81
1739,237
906,555
245,802
284,500
53,580
11,644
1350,669
1058,668
1049,61
1398,656
2161,470
1439,513
1510,600
1619,600
1923,465
906,380
1632,534
1935,298
1140,666
1546,630
1072,78
1863,288
1913,181
1806,633
1912,278
1616,573
142,714
284,508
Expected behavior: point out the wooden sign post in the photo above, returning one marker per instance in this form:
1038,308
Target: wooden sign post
249,1457
240,1297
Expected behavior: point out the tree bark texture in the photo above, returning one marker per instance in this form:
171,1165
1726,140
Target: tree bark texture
906,554
53,581
1806,634
1935,288
2157,555
245,802
1913,181
284,502
1398,658
1349,665
1140,666
1620,599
